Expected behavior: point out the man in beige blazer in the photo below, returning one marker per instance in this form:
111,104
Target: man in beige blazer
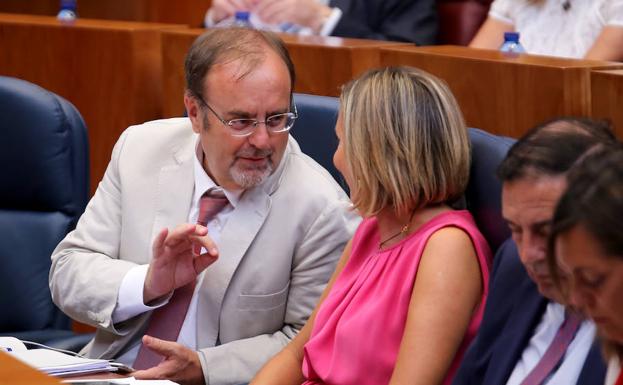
264,259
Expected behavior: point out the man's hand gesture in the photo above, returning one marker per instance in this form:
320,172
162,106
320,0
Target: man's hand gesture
177,259
180,364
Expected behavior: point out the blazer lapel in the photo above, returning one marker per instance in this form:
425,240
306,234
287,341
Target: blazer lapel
522,320
175,189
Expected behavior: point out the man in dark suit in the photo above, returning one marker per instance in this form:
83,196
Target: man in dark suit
525,312
398,20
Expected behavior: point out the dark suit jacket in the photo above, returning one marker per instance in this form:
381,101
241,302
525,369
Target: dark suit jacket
514,309
399,20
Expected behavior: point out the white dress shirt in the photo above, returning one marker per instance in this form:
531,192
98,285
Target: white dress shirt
614,369
572,363
130,299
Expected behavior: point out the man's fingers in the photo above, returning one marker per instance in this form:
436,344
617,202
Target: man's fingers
270,11
182,233
158,244
162,347
181,249
201,230
188,229
206,242
196,248
203,261
241,5
155,373
181,364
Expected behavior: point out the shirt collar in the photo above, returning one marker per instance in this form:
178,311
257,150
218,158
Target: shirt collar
203,182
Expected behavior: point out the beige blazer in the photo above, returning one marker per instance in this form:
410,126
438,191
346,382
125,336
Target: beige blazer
277,250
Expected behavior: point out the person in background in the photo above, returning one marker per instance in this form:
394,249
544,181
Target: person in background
591,29
525,313
210,238
397,20
408,293
586,247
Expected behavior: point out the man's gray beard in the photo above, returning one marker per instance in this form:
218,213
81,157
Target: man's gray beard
247,178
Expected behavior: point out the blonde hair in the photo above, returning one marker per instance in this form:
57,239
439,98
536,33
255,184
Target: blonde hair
406,143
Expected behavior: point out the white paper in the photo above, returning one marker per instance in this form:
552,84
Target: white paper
11,344
58,364
124,381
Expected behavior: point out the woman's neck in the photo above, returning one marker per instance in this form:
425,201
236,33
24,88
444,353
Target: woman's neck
391,224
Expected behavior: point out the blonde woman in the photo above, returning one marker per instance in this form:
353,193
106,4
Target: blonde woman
408,293
591,29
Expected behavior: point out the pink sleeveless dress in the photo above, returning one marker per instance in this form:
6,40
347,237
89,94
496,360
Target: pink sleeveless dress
359,327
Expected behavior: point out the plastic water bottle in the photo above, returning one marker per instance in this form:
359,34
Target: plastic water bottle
511,45
240,20
67,14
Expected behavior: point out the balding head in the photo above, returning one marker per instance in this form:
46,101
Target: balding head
550,149
249,47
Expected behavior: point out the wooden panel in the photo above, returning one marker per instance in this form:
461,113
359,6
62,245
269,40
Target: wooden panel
175,45
501,94
187,12
13,372
607,97
323,64
111,71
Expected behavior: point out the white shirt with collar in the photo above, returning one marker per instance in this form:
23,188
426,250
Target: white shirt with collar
572,363
130,299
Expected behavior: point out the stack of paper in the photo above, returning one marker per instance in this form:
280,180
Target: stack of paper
120,381
60,364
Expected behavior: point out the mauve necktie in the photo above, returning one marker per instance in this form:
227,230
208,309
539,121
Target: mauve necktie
166,321
556,350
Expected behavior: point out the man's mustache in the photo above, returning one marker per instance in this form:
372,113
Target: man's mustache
253,152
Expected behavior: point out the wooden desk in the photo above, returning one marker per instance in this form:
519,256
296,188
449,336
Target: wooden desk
187,12
14,372
607,97
322,64
505,95
110,70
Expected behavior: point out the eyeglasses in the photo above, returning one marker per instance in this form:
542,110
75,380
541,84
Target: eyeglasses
244,127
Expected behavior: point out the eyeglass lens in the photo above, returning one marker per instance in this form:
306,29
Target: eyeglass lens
274,123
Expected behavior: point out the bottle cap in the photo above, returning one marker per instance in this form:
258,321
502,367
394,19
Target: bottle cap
242,15
511,36
68,4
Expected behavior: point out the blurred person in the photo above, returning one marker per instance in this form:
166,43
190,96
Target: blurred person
397,20
408,293
208,302
590,29
587,247
520,339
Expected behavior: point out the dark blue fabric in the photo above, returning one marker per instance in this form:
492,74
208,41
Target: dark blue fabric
24,274
314,130
44,181
413,21
484,190
44,143
513,311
